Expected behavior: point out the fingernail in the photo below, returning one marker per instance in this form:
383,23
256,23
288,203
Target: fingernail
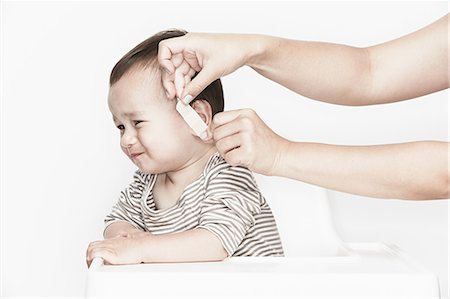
187,99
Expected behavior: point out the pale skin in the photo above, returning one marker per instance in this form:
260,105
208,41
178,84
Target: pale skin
408,67
145,118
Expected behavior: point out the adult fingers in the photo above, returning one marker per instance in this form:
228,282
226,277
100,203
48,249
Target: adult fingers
199,83
238,157
180,74
191,72
193,60
164,59
228,143
167,49
168,84
187,80
227,129
177,60
228,116
179,82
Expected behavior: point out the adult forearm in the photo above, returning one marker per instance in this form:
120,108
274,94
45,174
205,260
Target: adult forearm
323,71
197,245
416,170
407,67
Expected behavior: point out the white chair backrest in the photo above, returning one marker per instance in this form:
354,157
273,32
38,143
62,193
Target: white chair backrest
303,217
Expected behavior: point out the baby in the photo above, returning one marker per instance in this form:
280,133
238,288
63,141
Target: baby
185,202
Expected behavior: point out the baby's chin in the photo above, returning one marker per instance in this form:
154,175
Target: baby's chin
151,169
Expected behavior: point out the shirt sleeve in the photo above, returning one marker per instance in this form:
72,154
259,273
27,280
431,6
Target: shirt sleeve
231,201
128,207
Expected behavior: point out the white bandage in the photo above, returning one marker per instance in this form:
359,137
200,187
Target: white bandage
192,119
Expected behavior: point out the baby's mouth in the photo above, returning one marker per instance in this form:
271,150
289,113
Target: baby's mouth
134,156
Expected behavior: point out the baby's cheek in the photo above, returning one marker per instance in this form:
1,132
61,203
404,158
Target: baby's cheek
176,125
147,138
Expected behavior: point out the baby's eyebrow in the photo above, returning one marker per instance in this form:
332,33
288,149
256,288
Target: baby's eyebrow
133,114
130,114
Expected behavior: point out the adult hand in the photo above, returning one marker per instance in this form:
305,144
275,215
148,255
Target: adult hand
242,138
123,249
211,55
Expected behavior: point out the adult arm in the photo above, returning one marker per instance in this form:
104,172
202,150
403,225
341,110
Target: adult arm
404,68
414,170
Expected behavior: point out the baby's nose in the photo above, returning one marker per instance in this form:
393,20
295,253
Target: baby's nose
128,139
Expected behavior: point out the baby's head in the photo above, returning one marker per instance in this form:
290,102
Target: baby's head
152,133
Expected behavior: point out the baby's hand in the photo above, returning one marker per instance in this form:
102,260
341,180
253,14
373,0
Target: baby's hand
123,249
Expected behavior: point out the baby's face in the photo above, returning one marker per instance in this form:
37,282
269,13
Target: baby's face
152,133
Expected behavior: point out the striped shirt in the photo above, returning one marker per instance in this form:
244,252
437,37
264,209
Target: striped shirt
225,200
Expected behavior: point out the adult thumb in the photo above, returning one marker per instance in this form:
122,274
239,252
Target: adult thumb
197,85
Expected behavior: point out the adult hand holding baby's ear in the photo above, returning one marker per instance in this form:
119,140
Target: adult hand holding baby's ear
211,55
242,138
177,73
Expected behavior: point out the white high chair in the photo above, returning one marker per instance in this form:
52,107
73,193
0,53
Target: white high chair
317,263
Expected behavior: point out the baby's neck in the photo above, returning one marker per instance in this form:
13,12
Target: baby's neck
190,172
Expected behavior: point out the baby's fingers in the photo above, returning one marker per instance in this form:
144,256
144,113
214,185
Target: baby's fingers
96,263
102,252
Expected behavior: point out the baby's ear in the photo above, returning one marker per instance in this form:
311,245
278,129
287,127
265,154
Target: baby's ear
203,108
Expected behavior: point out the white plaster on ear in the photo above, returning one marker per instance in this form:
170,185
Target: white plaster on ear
192,119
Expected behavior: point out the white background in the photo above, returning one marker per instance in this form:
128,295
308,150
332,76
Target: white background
61,164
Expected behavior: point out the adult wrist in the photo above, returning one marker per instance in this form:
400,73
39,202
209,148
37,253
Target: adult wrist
280,158
257,46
